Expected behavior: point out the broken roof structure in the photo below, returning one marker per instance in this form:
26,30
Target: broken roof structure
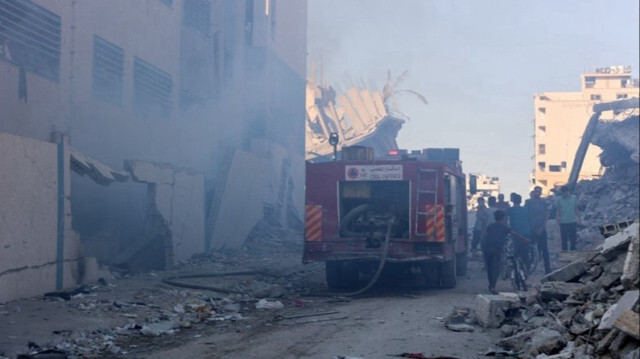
359,116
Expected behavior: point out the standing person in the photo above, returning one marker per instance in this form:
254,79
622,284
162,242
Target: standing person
538,213
519,222
493,246
491,210
568,217
502,204
480,226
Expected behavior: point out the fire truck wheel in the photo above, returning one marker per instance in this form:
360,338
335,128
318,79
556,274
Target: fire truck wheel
461,264
341,274
448,273
430,274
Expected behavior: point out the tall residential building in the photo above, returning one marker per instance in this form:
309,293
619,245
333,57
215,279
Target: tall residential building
560,119
183,82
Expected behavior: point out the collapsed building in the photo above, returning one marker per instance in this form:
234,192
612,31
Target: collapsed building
613,198
358,116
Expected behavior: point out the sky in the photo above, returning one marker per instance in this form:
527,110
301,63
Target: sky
478,63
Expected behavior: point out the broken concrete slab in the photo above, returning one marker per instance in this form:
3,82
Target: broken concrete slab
567,273
94,169
625,303
558,290
629,323
631,271
517,341
566,257
619,242
490,309
591,274
545,341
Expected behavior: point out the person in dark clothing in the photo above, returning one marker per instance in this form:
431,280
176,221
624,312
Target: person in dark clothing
493,246
519,222
538,213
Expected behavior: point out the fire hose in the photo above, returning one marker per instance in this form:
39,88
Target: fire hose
383,260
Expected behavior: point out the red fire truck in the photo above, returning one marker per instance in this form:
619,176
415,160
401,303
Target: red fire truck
405,212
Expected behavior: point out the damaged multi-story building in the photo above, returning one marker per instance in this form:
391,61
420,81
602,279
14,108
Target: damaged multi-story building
143,132
561,117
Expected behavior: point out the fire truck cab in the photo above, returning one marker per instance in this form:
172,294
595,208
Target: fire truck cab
406,209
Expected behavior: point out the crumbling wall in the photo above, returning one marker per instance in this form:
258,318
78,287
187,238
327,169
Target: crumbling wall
175,211
29,219
261,186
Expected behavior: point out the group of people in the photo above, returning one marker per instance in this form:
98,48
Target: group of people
525,224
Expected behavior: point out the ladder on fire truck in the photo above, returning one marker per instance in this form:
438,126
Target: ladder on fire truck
423,201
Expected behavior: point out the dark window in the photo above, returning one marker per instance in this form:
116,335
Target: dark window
542,149
108,70
542,128
152,89
197,15
596,97
542,165
30,37
589,81
621,95
555,168
563,164
542,109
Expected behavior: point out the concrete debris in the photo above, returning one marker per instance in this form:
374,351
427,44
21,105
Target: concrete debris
583,309
460,320
491,310
94,169
558,290
631,271
626,303
567,273
269,304
629,323
611,199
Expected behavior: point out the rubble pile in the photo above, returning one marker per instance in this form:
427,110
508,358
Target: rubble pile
586,309
614,197
611,199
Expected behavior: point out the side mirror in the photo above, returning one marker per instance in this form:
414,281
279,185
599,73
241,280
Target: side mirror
473,184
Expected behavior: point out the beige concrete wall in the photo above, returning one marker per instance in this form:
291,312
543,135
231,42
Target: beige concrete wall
28,217
560,119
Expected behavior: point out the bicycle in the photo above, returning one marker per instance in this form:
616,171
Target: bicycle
514,268
534,258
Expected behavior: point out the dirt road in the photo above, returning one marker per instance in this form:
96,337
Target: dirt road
387,322
390,320
140,316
